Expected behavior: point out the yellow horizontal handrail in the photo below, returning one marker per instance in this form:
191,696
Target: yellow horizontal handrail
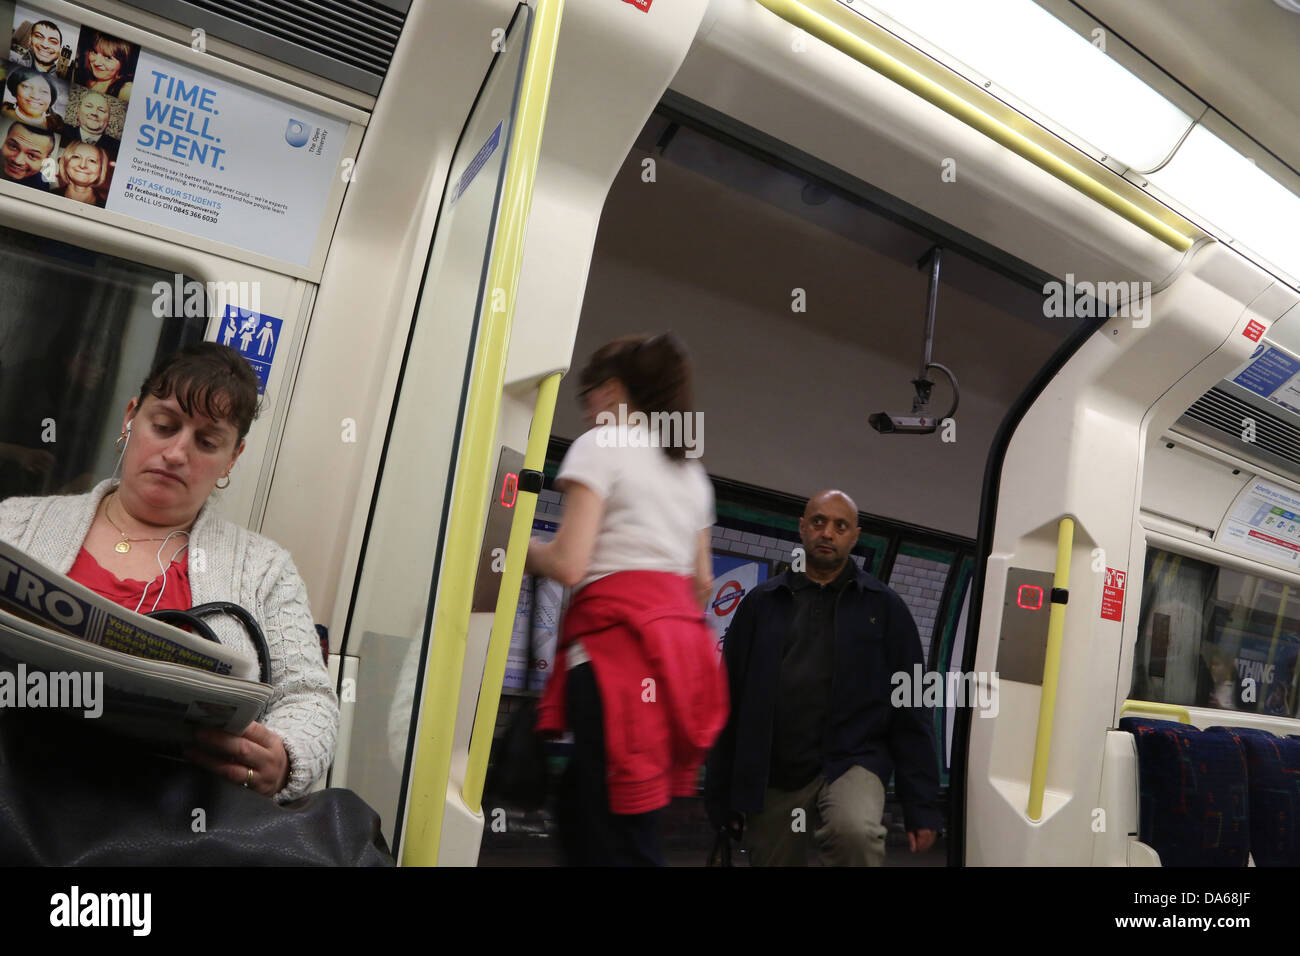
475,465
1152,707
503,622
880,50
1051,670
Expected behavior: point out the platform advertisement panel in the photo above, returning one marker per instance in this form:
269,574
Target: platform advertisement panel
536,631
733,578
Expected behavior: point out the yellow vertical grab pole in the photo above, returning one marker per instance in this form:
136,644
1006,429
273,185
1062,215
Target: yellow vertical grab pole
503,622
1051,669
476,462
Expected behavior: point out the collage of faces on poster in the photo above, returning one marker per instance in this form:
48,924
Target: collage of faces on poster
66,91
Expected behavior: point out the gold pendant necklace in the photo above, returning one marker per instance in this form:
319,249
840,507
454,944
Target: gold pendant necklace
124,546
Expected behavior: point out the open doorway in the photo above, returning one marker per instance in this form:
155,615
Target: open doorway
804,310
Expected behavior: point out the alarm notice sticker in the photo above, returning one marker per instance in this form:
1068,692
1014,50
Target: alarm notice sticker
1112,595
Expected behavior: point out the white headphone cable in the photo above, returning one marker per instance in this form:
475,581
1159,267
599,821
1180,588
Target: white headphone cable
158,558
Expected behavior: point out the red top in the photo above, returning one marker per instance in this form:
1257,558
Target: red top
649,645
175,589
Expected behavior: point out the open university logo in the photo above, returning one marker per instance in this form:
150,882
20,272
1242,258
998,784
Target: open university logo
297,133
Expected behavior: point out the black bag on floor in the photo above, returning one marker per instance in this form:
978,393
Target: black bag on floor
72,795
720,855
519,775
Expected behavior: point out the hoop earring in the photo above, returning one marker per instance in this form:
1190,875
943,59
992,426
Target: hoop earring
219,486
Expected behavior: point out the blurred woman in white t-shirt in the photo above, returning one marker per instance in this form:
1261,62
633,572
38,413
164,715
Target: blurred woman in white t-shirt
637,676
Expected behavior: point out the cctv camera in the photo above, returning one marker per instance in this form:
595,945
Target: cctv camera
888,424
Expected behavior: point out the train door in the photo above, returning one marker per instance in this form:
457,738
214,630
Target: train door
431,609
1063,555
459,320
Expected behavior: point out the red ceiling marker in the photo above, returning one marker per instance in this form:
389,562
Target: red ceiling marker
642,5
1253,330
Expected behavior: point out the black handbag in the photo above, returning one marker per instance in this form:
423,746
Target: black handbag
720,855
193,619
74,795
518,776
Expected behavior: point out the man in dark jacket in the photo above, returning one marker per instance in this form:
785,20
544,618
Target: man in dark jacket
813,738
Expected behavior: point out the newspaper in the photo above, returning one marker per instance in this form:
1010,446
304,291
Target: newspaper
138,675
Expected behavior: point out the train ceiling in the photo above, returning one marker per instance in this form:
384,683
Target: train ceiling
1239,56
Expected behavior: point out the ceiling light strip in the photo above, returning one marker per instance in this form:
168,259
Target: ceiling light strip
849,33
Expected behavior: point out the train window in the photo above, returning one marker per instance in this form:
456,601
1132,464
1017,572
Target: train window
77,336
1210,636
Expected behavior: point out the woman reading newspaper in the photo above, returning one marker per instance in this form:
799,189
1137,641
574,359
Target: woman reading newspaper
151,541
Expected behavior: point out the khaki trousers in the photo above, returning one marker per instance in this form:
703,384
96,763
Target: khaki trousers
841,820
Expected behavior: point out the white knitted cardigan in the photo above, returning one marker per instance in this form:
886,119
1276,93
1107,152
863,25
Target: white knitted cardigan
227,563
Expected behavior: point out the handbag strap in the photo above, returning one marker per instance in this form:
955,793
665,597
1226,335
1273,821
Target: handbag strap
192,619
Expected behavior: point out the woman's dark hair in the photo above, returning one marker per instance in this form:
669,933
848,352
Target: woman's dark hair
208,378
656,372
24,73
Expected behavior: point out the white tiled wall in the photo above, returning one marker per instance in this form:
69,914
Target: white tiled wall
548,505
755,545
724,539
919,583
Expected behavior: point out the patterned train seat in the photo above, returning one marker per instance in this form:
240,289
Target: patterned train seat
1193,793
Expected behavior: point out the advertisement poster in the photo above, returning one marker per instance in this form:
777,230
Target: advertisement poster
1252,668
537,624
95,119
1264,521
733,578
1273,374
221,161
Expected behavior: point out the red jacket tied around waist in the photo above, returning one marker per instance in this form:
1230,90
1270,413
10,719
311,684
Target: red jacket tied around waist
663,689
